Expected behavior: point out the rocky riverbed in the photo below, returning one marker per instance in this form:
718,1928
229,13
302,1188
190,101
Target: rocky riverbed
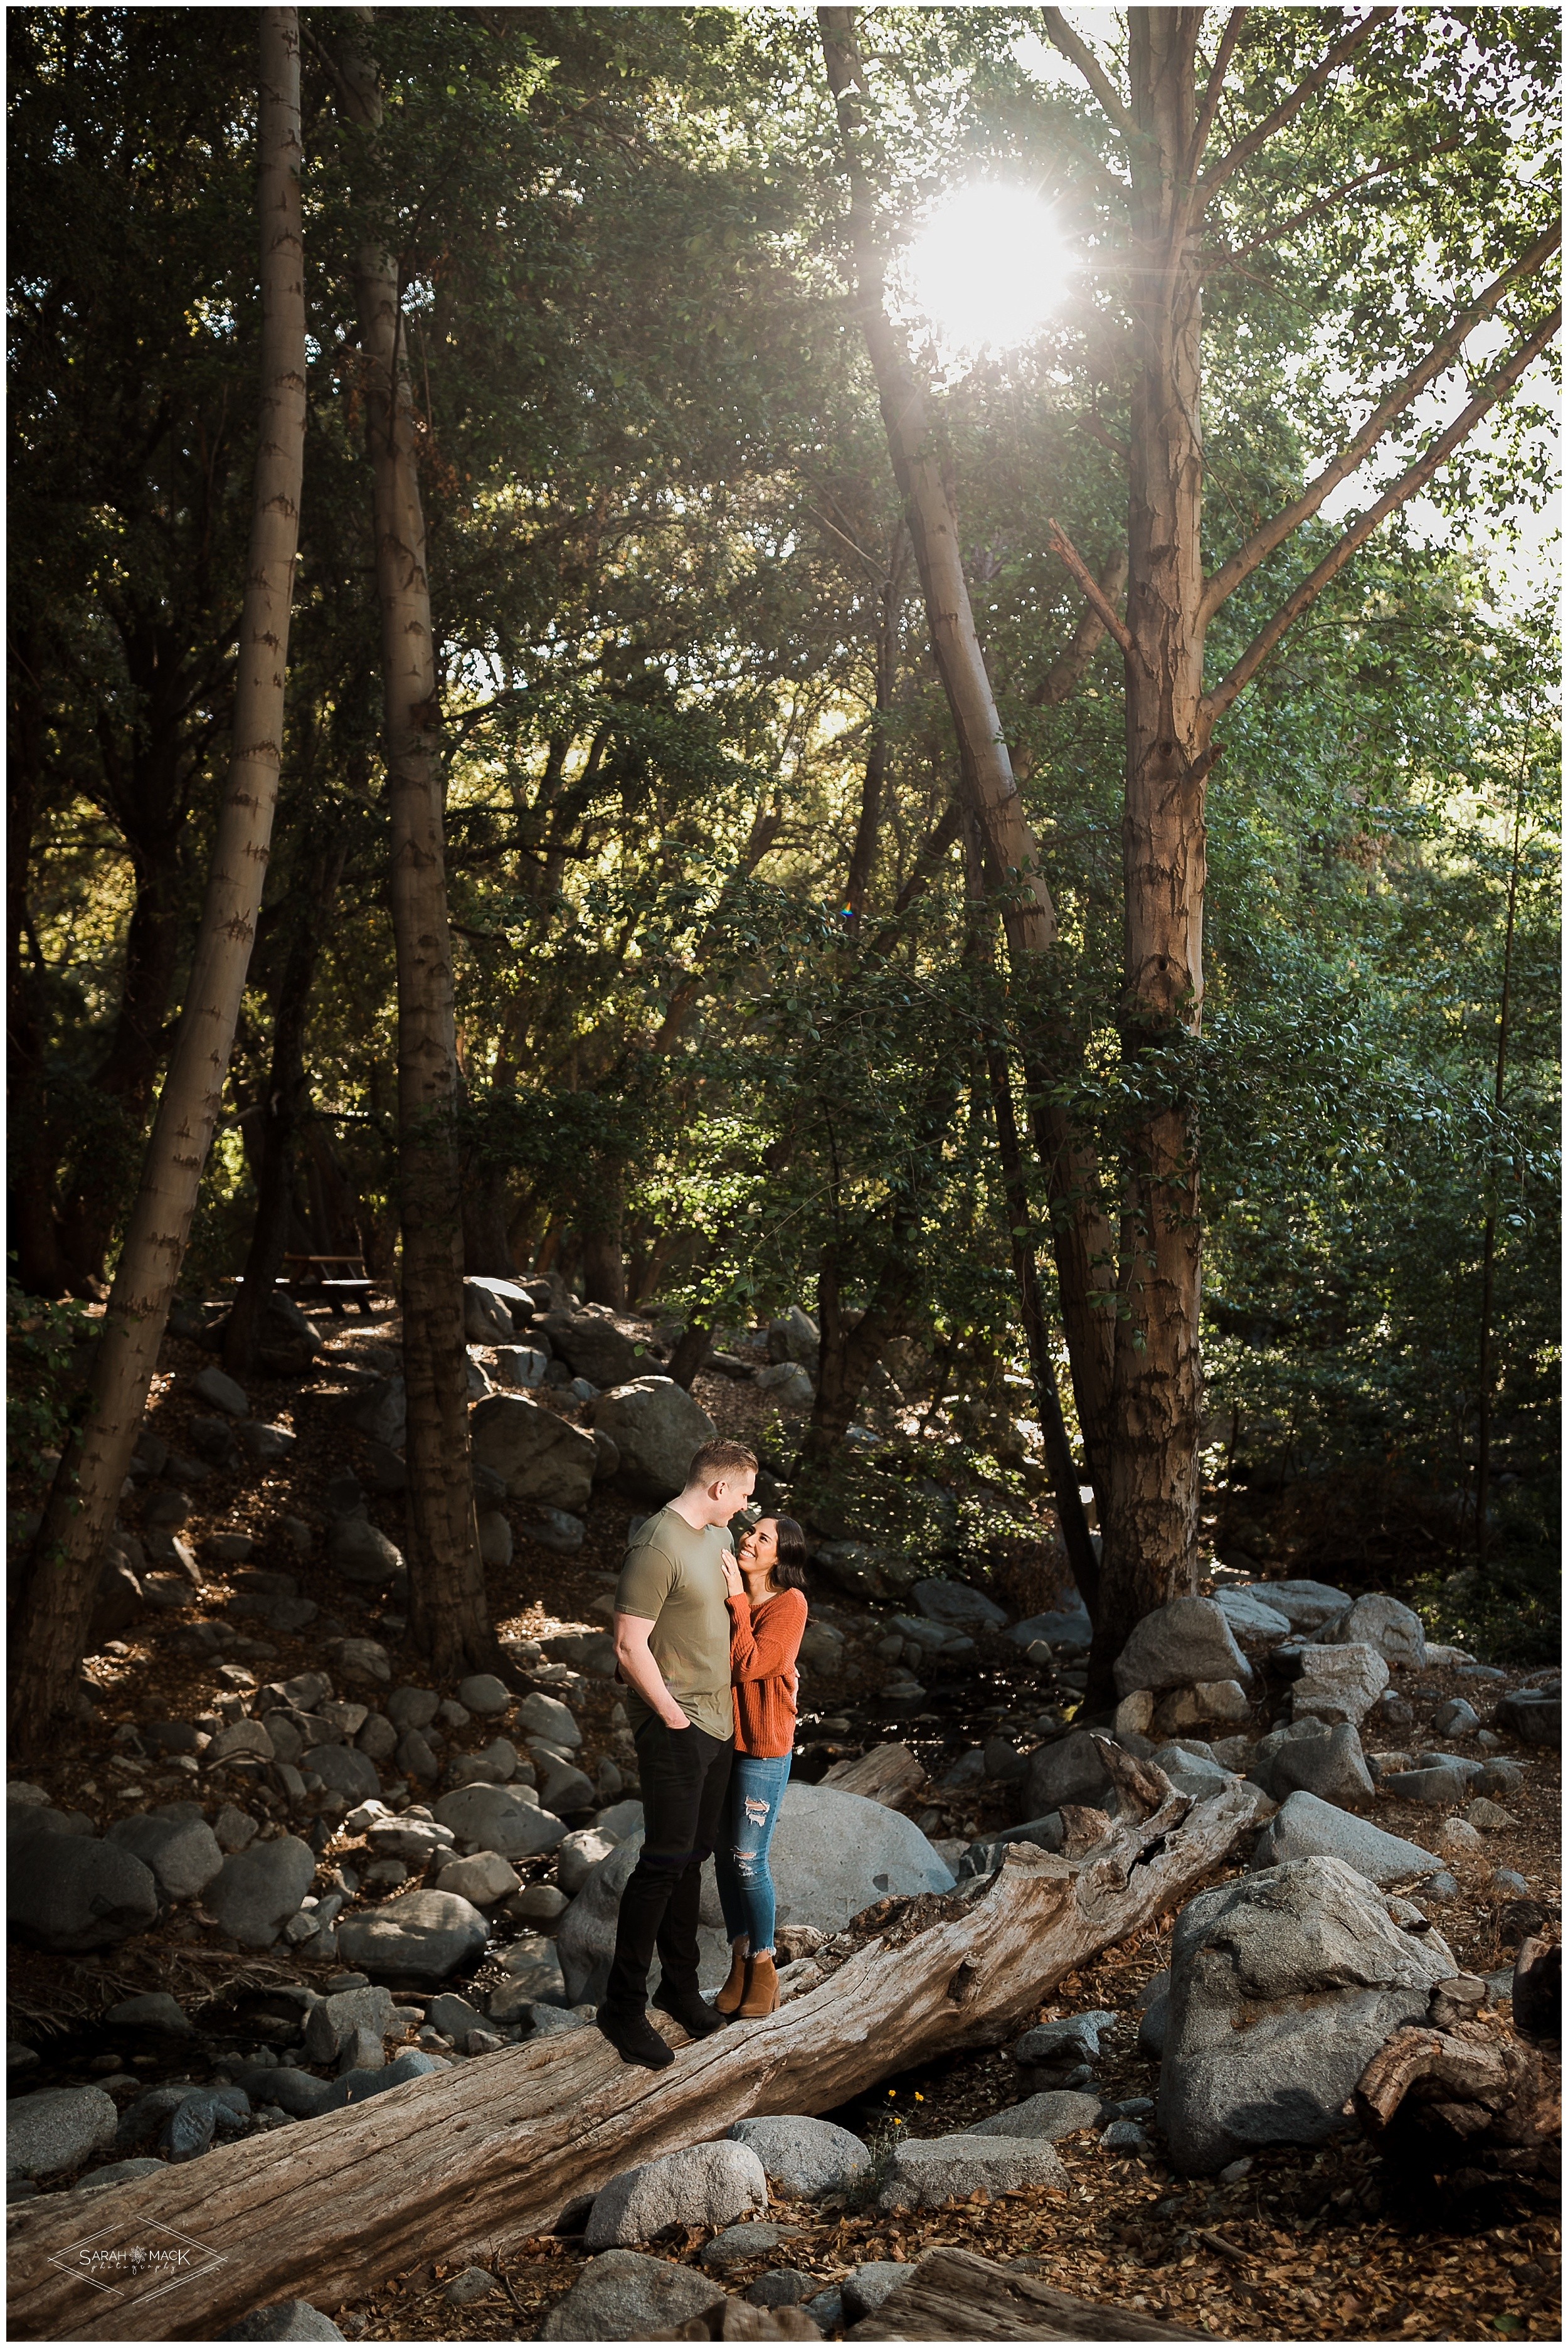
272,1868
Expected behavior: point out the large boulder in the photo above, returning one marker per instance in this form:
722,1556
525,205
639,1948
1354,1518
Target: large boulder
1306,1605
176,1843
70,1891
1307,1828
1396,1630
1186,1640
487,1317
804,2158
703,2184
1314,1757
498,1818
379,1411
833,1854
362,1553
255,1893
958,1605
626,2295
927,2172
1283,1987
1068,1770
1256,1623
656,1426
538,1456
1339,1683
1066,1625
1057,2112
56,2130
592,1347
1532,1715
427,1935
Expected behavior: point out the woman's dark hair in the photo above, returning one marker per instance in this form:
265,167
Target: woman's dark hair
789,1564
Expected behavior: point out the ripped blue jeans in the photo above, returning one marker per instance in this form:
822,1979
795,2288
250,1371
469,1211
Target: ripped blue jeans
741,1860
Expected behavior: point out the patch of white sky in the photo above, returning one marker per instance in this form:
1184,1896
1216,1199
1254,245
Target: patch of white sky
1516,541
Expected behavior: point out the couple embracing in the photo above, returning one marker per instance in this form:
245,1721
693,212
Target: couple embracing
706,1644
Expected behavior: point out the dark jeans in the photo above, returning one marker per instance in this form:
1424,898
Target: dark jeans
685,1784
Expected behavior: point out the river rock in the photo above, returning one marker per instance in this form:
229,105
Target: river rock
804,2158
926,2172
592,1347
1456,1718
958,1605
153,2010
832,1855
1057,2112
1221,1703
1395,1631
1066,1625
177,1844
498,1818
1312,1757
331,2023
56,2130
625,2295
1256,1623
285,2319
256,1891
1306,1605
1338,1684
656,1426
1283,1987
1534,1715
546,1716
362,1553
1183,1642
1307,1828
299,2093
412,1707
69,1892
213,1387
703,2184
426,1936
344,1769
540,1456
1069,1769
486,1317
380,1413
1439,1787
484,1878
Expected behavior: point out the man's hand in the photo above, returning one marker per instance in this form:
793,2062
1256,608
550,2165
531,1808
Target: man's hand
640,1671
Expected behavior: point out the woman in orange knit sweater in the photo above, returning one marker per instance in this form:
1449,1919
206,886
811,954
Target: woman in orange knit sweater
766,1595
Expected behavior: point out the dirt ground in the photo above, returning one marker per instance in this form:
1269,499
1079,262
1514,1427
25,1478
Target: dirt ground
1307,2245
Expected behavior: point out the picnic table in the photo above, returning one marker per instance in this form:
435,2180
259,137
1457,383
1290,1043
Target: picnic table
337,1280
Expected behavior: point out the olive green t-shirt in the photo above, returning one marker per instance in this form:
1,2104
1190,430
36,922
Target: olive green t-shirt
673,1577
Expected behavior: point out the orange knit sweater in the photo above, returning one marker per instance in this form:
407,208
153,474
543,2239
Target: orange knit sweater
764,1646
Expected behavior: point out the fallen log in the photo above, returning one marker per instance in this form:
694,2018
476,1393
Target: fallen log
1460,2108
888,1774
955,2294
478,2159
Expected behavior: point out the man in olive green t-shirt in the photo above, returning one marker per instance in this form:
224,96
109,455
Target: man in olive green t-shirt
672,1650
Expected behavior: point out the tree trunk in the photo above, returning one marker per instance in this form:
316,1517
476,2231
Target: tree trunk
1151,1522
954,2294
61,1574
1485,1373
34,1237
850,1352
449,1619
863,854
524,2133
1082,1238
288,1097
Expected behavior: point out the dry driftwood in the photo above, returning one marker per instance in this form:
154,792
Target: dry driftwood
474,2159
888,1774
954,2294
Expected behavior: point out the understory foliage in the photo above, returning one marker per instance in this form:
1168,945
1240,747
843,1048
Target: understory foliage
667,566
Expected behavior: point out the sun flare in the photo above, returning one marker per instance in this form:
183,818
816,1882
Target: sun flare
988,268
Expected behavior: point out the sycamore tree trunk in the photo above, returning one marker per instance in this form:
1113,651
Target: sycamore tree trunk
288,1099
449,1619
55,1600
1082,1236
1151,1523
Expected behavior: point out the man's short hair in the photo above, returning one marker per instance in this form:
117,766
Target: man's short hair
717,1462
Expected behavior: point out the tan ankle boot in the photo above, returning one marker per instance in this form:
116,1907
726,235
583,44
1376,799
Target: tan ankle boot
734,1989
762,1990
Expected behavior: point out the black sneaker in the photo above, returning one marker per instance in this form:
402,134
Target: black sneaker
635,2040
695,2015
